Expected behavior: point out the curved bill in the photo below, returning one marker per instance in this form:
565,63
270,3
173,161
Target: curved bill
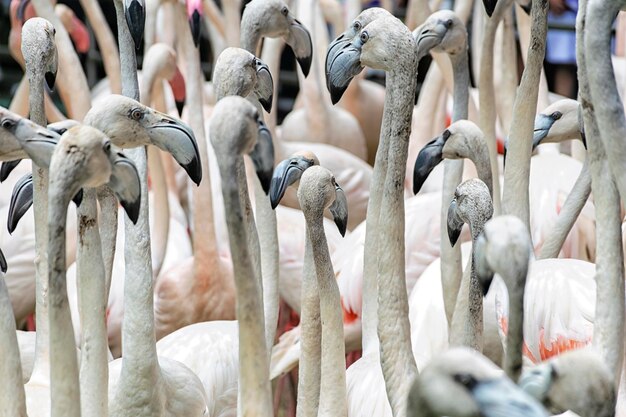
490,6
502,398
264,88
263,156
537,380
135,12
125,184
334,47
177,84
50,77
194,13
455,224
429,36
299,40
8,167
581,126
177,138
429,157
21,9
21,200
61,127
344,65
3,262
286,173
483,271
543,123
339,210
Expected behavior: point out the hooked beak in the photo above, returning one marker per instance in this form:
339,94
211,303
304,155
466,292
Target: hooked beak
125,184
490,6
493,396
299,40
537,381
543,123
334,47
264,88
21,200
428,36
61,127
135,13
177,84
194,12
177,138
343,66
429,157
3,262
8,167
339,210
455,224
263,156
286,173
483,271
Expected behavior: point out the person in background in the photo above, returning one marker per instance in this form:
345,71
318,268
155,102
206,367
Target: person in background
561,47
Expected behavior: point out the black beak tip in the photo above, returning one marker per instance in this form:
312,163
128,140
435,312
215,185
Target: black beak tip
194,170
336,93
453,235
132,209
267,104
50,79
527,8
266,180
6,169
136,20
3,263
179,106
485,284
194,24
342,225
78,198
305,64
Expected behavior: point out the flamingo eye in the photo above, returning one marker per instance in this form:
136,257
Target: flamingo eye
8,123
357,26
557,115
449,23
364,36
284,11
136,114
107,146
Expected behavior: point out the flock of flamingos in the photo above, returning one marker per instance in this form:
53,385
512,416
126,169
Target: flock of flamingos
184,279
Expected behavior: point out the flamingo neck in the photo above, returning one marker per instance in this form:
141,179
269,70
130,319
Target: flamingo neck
397,361
90,271
64,389
332,401
12,388
512,362
309,374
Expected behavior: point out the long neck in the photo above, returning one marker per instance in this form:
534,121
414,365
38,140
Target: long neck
512,363
333,394
250,37
515,199
480,158
106,43
487,117
140,367
451,267
40,202
12,388
309,373
609,326
90,271
64,390
570,211
394,331
254,389
108,232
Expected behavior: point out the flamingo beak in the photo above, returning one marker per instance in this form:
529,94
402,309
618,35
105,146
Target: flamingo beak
21,200
177,84
490,6
287,173
343,66
21,10
177,138
3,263
263,156
339,210
8,167
455,224
483,271
538,380
502,394
125,184
135,12
299,40
194,13
61,127
264,88
428,158
429,36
